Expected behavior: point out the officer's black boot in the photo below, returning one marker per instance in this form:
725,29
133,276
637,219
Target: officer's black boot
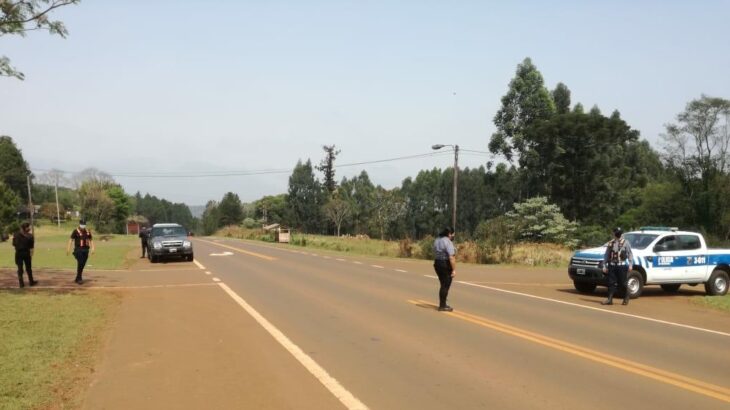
608,301
21,283
626,298
30,280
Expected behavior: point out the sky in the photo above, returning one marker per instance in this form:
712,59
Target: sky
188,88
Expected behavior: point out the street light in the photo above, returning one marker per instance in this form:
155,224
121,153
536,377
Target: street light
456,177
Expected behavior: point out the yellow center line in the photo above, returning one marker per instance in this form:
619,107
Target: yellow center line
687,383
258,255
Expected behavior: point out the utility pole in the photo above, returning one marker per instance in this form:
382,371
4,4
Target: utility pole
30,204
58,209
456,179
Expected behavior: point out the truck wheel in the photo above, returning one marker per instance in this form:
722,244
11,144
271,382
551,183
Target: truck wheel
190,258
717,285
584,287
671,287
634,284
153,259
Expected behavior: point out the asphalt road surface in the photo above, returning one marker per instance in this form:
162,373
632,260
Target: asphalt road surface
367,329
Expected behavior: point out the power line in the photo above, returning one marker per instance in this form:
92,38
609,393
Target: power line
206,174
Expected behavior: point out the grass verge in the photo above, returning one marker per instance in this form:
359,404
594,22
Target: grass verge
50,342
50,250
529,254
715,302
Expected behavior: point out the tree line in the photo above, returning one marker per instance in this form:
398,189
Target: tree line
593,168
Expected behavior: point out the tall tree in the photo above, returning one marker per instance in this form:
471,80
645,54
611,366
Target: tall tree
13,168
327,167
561,98
337,210
305,198
210,220
359,191
9,202
389,207
19,17
230,210
526,102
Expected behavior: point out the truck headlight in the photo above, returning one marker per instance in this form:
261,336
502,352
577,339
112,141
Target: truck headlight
187,244
157,245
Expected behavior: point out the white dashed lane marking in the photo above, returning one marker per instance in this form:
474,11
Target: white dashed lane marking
216,280
377,266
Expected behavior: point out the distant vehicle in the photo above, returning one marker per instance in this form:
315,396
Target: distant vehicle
662,256
168,241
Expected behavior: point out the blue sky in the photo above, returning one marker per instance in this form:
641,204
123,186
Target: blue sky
193,86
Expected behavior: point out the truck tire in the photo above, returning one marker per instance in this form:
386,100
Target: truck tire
634,284
584,287
153,259
717,285
671,287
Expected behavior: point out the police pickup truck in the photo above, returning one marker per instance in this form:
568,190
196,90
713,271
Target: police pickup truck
662,256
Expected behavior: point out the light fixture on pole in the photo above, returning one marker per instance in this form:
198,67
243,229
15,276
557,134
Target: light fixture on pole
456,178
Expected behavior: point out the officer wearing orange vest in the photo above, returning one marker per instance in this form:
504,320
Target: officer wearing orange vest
82,243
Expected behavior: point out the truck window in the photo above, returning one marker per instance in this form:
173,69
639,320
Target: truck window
668,243
689,242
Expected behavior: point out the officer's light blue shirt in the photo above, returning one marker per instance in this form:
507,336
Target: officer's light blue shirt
443,248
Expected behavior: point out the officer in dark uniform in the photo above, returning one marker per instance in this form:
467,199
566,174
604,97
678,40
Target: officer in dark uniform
616,265
444,265
144,235
82,242
24,243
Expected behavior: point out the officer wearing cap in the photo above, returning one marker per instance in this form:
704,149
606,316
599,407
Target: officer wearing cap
616,265
82,242
24,243
445,265
144,235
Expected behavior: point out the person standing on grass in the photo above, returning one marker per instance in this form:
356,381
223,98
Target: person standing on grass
82,242
445,265
24,243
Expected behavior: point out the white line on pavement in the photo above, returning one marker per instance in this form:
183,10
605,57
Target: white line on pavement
329,382
357,263
401,270
377,266
650,319
199,264
216,280
340,260
207,272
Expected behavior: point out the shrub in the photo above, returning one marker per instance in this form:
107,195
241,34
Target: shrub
425,246
405,248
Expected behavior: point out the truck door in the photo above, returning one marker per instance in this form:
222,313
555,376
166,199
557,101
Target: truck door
696,260
669,260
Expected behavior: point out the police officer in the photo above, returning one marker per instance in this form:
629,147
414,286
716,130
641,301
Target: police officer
616,265
445,265
24,243
82,242
144,235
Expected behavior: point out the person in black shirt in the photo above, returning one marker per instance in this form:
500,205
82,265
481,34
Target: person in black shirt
82,242
24,243
144,235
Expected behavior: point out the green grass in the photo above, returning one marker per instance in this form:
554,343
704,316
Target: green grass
715,302
50,249
49,342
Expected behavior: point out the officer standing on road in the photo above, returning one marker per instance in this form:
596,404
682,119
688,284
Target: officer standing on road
445,265
24,243
144,235
82,243
617,264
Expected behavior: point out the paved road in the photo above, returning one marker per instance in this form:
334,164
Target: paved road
371,325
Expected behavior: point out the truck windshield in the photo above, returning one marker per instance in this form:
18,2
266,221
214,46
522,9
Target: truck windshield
640,240
169,231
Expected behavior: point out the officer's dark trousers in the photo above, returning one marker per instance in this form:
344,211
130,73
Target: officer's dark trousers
443,270
144,248
616,277
81,255
23,257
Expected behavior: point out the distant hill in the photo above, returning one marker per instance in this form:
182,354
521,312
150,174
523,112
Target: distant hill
197,210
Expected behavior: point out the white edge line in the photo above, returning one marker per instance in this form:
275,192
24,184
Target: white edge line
329,382
199,264
664,322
